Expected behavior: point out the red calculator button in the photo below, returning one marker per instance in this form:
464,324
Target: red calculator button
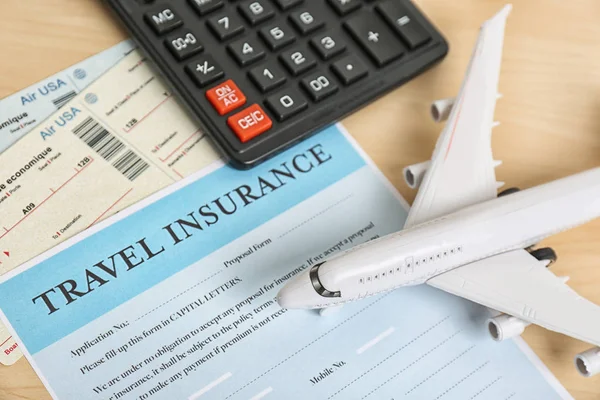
226,97
249,123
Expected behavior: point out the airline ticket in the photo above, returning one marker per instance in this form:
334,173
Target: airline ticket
23,111
174,298
119,140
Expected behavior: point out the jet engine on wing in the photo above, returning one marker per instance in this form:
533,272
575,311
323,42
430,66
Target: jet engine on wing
440,109
505,327
588,362
413,174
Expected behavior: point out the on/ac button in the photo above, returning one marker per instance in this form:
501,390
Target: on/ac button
226,97
249,123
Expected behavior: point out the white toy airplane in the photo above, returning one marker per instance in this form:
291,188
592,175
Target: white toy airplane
463,238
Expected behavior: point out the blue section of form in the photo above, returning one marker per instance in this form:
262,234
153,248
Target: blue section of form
17,293
414,343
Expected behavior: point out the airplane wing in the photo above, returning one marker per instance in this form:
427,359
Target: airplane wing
461,171
516,283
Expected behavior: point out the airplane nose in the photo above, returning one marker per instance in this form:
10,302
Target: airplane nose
299,293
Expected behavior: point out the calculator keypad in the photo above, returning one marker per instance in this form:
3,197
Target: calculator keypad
249,123
328,45
377,39
401,19
305,21
246,51
344,7
204,7
298,60
277,36
254,68
286,103
267,77
226,97
183,44
204,70
225,26
287,4
256,11
163,19
319,85
350,69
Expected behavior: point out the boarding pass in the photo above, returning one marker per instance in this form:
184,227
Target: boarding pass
22,111
116,142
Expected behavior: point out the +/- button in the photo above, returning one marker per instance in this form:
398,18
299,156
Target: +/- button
204,70
226,97
249,123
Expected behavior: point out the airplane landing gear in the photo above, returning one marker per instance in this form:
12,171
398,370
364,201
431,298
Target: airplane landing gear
545,254
508,191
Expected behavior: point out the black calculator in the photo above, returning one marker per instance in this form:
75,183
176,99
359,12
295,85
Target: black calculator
260,75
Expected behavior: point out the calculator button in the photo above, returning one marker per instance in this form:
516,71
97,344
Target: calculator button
204,70
375,37
249,123
225,26
319,85
246,51
163,19
298,60
256,11
267,77
204,7
305,21
287,4
183,44
277,36
350,69
226,97
286,103
343,7
398,16
328,45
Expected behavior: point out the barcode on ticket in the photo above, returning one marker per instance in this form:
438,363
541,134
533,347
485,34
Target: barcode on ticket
64,99
130,165
110,148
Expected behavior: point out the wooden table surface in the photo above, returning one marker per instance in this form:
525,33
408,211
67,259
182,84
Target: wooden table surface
550,116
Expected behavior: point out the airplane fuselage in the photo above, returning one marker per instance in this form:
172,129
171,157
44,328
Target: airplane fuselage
412,256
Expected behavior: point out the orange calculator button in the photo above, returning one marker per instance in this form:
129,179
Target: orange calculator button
249,123
226,97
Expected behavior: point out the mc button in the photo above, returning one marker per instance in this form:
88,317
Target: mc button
249,123
226,97
163,19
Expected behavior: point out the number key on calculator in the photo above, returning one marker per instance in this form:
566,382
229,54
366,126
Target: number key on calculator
260,75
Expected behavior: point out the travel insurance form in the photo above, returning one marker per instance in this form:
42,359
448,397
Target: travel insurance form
173,298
